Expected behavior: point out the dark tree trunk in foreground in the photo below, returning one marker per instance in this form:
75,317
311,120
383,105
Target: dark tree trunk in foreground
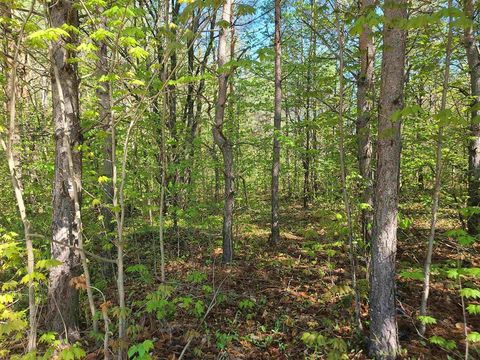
473,57
277,122
62,296
364,115
383,325
220,139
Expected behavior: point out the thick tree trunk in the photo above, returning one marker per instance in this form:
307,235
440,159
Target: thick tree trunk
62,296
383,325
277,122
221,140
364,109
473,57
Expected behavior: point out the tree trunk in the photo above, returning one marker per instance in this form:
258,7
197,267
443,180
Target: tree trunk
343,168
364,109
173,176
13,158
62,297
104,99
189,110
438,177
473,57
220,139
383,325
277,123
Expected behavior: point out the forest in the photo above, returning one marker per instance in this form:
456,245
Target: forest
239,179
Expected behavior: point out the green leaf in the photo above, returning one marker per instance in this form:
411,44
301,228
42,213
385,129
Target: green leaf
453,273
473,337
39,38
103,179
138,52
412,274
440,341
365,206
244,9
101,34
427,320
199,308
470,293
132,351
47,263
223,24
47,338
473,272
35,276
127,41
9,285
473,309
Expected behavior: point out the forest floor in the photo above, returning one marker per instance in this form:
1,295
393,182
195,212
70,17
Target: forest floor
273,302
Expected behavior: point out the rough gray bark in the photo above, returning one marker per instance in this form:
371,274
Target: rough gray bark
62,297
473,57
383,325
221,140
277,123
364,115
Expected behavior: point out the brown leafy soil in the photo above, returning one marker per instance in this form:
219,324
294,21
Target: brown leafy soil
271,295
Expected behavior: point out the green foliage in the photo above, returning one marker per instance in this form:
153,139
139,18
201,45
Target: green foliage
440,341
41,38
314,340
473,337
199,308
415,274
470,293
72,352
461,236
223,339
246,304
196,277
47,263
473,309
335,348
141,351
49,338
244,9
140,270
138,52
427,320
13,324
158,302
140,47
404,222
